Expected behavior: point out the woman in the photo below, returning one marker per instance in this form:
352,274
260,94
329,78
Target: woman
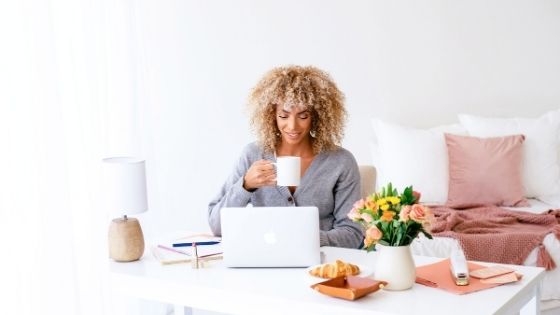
297,111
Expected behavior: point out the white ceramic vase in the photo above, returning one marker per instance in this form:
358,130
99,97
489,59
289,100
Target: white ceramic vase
395,265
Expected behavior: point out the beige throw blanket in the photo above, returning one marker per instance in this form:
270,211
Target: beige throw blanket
498,235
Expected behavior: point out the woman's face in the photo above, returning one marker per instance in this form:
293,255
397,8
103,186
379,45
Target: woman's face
294,124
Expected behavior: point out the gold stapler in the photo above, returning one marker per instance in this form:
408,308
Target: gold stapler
459,267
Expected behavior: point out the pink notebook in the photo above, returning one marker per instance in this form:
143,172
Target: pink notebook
438,275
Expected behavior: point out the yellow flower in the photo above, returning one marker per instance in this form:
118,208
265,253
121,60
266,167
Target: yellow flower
385,207
394,200
381,202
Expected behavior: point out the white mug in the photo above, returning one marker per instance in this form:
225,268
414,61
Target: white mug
288,169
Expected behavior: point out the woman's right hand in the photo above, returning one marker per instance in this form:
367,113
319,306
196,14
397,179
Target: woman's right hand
260,174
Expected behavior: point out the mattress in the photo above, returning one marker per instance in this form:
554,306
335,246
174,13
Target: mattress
443,246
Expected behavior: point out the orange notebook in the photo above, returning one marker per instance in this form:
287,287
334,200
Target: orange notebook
438,275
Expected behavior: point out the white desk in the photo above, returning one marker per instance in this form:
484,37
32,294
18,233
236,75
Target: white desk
287,291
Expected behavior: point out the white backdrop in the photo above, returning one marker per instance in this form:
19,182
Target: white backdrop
413,62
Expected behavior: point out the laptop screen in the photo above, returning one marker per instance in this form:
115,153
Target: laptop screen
270,236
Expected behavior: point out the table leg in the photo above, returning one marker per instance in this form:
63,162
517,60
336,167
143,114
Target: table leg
533,307
537,299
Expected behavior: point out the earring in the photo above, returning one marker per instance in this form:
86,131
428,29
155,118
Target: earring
278,134
312,133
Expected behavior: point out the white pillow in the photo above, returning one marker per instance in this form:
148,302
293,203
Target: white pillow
407,156
553,116
554,199
541,171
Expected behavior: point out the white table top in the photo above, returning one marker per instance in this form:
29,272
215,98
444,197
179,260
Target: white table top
286,290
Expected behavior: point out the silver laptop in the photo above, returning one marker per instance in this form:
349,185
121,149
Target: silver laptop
270,236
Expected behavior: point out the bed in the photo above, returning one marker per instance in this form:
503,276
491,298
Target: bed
512,163
499,162
443,246
550,288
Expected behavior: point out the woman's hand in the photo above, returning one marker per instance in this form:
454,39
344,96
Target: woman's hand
260,174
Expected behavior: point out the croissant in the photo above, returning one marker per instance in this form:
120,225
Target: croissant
336,269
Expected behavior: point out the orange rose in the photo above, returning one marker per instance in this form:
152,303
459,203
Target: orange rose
367,217
404,214
354,214
359,204
373,235
370,204
420,213
388,216
427,225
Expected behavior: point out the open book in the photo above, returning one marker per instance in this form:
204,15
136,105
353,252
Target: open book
166,253
168,257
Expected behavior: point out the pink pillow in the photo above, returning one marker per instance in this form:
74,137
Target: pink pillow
485,171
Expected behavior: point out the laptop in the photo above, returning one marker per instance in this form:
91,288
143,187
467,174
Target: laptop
270,236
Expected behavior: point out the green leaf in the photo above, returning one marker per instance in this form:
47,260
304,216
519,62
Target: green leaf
407,197
382,226
428,235
400,234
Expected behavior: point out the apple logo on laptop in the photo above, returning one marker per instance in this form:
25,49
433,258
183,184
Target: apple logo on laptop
270,237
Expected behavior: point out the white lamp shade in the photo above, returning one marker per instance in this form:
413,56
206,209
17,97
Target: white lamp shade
125,185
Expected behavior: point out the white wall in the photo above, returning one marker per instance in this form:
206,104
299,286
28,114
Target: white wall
414,62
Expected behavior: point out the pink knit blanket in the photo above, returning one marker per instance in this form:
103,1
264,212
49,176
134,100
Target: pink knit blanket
498,235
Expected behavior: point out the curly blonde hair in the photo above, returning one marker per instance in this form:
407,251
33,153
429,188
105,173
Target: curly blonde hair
304,87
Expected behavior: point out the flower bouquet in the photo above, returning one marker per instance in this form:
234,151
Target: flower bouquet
392,219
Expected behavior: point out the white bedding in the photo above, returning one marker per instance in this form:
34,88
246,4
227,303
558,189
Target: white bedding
550,288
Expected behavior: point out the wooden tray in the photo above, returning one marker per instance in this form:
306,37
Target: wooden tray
349,287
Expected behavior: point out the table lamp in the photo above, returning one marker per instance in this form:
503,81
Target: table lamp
125,185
